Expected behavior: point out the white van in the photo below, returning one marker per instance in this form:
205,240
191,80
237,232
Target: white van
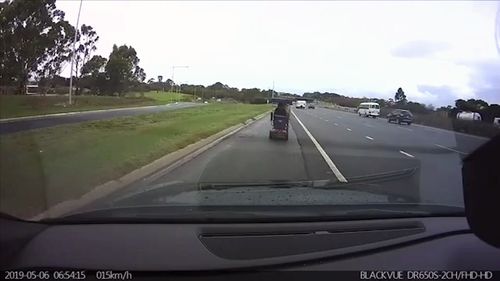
369,109
300,104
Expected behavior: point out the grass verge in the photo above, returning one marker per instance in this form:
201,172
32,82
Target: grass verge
41,168
22,105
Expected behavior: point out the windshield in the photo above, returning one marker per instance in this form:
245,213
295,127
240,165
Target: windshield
210,104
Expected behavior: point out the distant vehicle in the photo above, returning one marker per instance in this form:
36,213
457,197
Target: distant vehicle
369,109
300,104
311,106
400,116
32,90
467,115
496,121
219,100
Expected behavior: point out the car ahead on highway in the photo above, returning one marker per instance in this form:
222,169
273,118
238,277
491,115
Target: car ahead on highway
400,116
369,109
311,106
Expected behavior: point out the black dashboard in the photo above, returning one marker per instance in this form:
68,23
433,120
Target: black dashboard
432,243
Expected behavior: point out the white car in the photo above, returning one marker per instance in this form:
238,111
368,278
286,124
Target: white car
369,109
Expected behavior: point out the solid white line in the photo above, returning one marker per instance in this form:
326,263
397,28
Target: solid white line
407,154
451,149
349,129
329,161
370,138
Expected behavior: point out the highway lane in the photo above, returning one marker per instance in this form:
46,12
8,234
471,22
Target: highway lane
357,146
364,145
7,127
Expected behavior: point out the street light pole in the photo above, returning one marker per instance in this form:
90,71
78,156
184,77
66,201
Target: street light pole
272,93
73,55
173,71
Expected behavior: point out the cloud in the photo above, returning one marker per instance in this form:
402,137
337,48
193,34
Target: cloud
441,95
419,49
485,80
483,83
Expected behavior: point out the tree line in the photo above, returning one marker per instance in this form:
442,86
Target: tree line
37,42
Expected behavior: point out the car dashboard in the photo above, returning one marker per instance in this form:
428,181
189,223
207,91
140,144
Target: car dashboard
430,243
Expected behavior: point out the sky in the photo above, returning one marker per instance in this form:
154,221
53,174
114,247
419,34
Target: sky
436,51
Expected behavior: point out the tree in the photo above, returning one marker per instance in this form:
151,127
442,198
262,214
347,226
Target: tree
85,45
462,105
35,41
93,66
160,79
93,76
123,69
151,80
169,83
400,96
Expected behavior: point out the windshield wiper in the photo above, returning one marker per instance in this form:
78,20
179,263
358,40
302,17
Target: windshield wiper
319,184
236,214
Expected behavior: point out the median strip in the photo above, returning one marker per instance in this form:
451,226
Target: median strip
328,161
76,158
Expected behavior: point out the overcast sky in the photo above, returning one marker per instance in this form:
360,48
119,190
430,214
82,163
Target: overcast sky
436,51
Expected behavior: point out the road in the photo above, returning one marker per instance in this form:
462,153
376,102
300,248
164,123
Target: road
356,146
7,127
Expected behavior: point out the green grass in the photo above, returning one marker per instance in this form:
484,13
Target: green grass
164,98
21,105
42,167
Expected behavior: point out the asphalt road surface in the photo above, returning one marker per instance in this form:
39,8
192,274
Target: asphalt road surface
13,126
345,147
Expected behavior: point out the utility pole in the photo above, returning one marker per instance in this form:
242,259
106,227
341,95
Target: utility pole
173,83
73,54
272,93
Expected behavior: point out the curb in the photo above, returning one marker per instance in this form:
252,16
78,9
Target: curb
62,114
148,172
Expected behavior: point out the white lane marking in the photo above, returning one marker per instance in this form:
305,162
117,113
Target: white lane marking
368,125
368,137
329,161
335,124
451,149
407,154
326,120
349,129
408,129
